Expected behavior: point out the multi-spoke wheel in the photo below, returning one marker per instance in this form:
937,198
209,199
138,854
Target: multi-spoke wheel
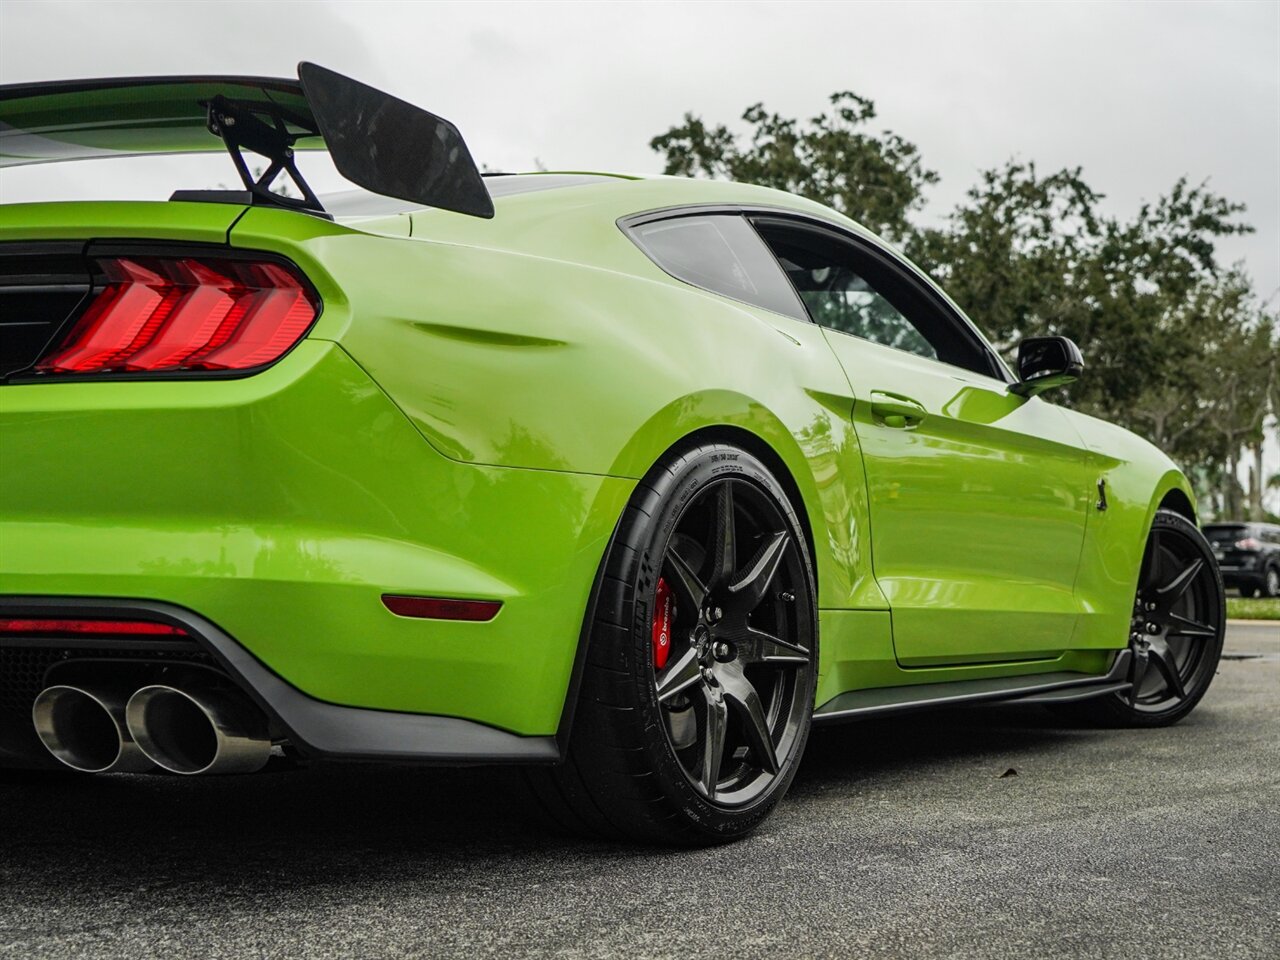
728,679
698,690
1179,616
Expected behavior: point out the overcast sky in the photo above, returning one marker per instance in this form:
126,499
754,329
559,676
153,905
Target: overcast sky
1137,93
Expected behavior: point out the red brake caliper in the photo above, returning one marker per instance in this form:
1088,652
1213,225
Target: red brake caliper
664,612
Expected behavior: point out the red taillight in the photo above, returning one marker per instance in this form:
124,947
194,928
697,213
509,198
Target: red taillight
1248,543
29,626
185,314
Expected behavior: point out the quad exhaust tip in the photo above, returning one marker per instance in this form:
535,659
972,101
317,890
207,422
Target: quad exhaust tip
193,732
110,729
86,729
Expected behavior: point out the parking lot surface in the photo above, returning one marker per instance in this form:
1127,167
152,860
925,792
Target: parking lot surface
980,833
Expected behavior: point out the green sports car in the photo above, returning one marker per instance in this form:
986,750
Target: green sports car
628,480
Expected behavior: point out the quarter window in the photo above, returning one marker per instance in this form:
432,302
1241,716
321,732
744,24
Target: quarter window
720,253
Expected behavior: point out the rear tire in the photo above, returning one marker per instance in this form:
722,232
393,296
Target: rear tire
697,693
1180,594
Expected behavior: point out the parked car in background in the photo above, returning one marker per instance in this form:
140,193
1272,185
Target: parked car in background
1249,556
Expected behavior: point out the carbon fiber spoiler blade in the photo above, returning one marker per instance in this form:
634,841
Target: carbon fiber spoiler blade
377,141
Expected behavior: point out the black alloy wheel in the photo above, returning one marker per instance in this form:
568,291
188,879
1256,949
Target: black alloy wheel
697,694
1176,630
728,682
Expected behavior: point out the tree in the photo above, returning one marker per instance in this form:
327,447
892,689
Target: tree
1028,255
1176,347
877,179
1015,250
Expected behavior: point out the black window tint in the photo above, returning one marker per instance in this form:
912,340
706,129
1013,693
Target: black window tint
841,299
720,253
864,293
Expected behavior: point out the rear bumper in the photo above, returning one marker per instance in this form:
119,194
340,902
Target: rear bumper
281,507
316,728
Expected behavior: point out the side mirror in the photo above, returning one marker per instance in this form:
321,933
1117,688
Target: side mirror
1045,363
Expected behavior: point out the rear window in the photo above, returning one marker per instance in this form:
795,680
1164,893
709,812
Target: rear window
721,253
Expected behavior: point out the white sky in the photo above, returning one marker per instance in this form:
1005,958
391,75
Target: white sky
1137,93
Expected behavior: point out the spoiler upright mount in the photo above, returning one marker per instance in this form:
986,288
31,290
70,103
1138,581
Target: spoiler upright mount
243,127
377,141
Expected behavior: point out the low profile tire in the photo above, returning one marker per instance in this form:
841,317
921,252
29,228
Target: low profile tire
1179,619
697,693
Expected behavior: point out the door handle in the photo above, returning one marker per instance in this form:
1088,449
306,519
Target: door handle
895,410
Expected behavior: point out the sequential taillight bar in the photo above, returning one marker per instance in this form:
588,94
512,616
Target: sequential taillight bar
185,314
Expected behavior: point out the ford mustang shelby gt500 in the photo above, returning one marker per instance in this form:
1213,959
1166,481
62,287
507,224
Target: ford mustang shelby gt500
629,480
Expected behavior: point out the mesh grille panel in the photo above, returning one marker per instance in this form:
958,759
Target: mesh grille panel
40,287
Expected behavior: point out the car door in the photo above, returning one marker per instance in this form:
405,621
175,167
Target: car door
978,498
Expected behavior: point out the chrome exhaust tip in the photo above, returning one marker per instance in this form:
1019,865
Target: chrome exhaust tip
86,729
193,732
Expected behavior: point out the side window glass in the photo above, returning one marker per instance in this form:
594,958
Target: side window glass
839,298
866,294
721,253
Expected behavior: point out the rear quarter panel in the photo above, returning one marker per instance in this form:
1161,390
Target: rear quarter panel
503,357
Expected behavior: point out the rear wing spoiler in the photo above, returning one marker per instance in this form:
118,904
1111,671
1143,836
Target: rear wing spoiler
377,141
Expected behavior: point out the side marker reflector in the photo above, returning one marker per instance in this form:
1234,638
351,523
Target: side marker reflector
439,608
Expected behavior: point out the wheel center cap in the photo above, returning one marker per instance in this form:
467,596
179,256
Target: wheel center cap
702,643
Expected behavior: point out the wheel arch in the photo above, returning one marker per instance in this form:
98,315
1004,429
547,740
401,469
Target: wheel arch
779,434
1172,491
759,448
1178,501
730,433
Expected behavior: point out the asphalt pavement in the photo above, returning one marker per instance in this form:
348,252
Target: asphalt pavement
906,837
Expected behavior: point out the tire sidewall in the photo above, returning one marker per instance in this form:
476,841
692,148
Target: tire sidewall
1167,519
678,483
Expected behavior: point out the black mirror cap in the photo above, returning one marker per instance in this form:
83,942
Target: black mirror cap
1046,362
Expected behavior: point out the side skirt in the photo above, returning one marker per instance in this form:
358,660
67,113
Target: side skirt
1063,687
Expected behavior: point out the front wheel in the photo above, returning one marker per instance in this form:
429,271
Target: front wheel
697,694
1176,631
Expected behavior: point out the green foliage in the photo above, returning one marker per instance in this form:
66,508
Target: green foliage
1177,347
834,159
1259,608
